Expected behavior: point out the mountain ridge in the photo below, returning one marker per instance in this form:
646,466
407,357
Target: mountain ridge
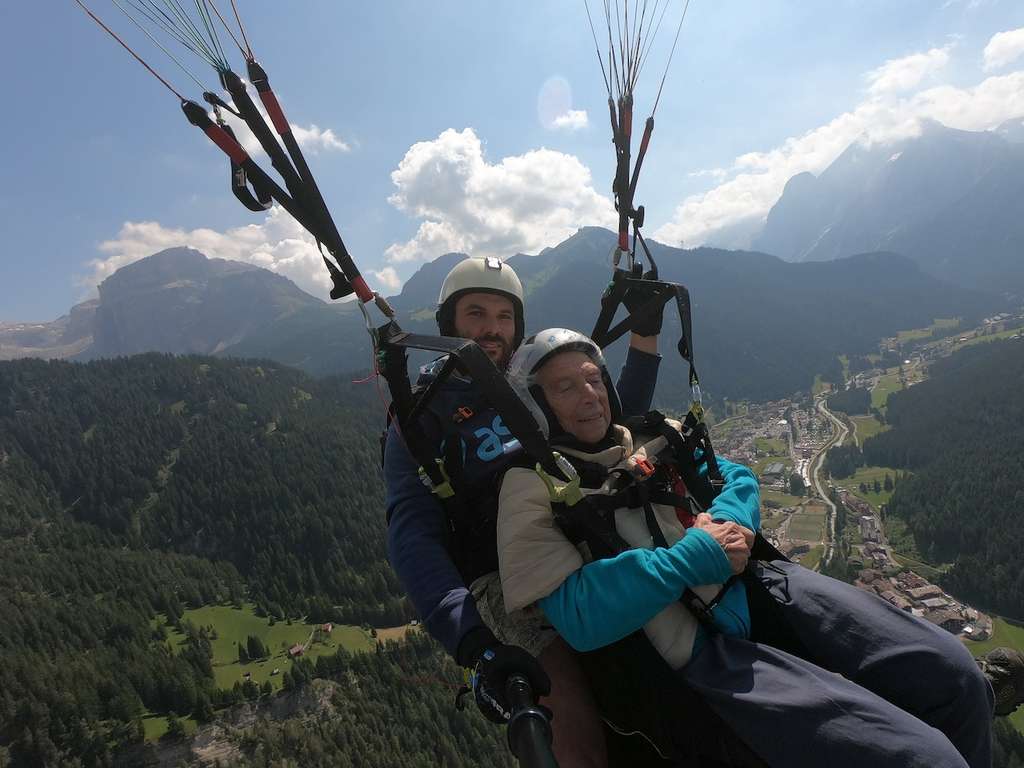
745,303
948,198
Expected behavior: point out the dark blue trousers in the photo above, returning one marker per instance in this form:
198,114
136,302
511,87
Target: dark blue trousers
866,684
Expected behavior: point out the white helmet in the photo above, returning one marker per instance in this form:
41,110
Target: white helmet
539,349
488,275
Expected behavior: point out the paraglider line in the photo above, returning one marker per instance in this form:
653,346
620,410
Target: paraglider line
227,28
242,29
156,42
670,55
133,53
597,49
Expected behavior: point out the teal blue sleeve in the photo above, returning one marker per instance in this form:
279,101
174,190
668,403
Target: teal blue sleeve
606,600
740,498
731,616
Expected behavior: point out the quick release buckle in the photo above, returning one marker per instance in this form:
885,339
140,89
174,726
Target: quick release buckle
644,467
462,413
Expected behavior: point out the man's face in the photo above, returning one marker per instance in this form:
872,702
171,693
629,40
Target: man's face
490,321
576,394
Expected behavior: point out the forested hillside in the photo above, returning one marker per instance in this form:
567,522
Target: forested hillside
960,434
254,464
146,485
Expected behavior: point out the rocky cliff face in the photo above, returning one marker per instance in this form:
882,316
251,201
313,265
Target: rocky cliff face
951,200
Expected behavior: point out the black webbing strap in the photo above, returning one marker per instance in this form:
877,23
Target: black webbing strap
703,610
311,191
595,526
622,280
648,130
685,345
469,359
252,117
257,200
657,535
393,366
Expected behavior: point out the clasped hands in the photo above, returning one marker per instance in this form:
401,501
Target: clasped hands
733,538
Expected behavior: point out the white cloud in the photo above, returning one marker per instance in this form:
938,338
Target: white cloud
573,120
388,278
312,139
883,117
522,203
718,174
278,244
898,75
315,138
1004,48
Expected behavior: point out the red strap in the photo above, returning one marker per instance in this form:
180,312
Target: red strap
276,114
228,145
624,239
683,514
362,289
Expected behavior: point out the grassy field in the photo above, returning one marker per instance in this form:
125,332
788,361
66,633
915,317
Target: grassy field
867,426
886,385
233,626
930,572
868,475
1003,634
155,726
782,499
820,385
812,558
396,633
923,333
807,525
773,446
982,339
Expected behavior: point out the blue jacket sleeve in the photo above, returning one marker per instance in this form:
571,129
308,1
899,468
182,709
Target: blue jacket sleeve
416,549
637,380
740,499
607,600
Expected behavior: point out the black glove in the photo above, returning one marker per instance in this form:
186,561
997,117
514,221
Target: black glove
494,663
635,298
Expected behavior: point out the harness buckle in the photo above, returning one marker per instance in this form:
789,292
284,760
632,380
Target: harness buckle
462,413
644,467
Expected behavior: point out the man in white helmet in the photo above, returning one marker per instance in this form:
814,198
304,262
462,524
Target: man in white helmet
439,551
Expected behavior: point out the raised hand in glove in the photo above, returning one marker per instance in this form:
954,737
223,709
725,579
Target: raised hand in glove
635,298
493,663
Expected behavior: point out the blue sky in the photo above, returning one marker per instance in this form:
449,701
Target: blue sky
436,130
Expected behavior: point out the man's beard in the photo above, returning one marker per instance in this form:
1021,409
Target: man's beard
506,349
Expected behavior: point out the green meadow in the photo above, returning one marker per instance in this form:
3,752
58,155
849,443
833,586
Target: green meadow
232,626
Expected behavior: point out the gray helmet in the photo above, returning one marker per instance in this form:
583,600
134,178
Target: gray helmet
489,275
539,349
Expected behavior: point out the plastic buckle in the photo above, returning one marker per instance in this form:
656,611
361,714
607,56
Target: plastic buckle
645,467
461,414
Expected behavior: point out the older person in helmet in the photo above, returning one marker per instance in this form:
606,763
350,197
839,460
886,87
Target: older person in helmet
805,670
447,561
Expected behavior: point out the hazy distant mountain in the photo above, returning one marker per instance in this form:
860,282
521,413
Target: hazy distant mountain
180,301
952,200
66,336
763,328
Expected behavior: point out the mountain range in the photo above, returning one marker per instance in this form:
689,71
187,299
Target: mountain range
952,200
763,328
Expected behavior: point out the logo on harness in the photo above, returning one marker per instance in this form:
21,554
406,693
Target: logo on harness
491,445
